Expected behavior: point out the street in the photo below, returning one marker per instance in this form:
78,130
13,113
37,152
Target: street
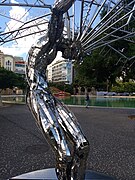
110,131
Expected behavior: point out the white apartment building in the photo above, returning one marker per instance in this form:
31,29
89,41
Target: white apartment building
61,70
49,73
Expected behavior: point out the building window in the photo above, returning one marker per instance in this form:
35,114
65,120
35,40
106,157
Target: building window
8,65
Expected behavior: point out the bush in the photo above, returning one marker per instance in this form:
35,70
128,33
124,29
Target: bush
62,86
124,87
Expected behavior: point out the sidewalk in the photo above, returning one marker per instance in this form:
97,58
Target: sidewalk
111,134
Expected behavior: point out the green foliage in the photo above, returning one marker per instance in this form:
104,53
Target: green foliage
103,67
97,69
9,79
124,87
62,86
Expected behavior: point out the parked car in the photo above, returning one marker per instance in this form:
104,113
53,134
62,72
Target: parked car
111,94
102,93
123,94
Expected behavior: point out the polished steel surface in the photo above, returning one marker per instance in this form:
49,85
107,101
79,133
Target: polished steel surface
58,124
55,120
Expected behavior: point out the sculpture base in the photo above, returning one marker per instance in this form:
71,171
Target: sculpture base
50,174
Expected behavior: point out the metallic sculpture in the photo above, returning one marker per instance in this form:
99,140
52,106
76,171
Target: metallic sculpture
57,123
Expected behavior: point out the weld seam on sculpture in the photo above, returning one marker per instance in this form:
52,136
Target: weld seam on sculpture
58,124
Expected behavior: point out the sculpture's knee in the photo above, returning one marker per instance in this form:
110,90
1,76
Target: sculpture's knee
83,149
65,158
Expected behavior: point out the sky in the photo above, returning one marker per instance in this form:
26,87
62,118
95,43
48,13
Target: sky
21,46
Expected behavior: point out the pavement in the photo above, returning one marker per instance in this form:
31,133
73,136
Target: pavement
110,131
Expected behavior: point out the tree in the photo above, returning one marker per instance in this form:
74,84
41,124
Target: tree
101,69
9,79
97,69
106,64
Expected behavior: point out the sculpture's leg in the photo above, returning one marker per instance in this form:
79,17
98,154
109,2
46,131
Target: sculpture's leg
44,113
60,128
63,133
75,135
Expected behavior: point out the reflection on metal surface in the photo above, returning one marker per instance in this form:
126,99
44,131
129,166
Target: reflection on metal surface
60,128
57,123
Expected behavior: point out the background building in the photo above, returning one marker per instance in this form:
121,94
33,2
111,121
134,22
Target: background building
1,58
12,63
60,70
20,65
49,73
9,62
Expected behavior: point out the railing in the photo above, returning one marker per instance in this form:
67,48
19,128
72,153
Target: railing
14,99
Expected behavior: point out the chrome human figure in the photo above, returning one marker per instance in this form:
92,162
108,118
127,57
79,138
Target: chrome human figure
58,124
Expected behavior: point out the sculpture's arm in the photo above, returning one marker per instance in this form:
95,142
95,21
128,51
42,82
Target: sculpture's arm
63,5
